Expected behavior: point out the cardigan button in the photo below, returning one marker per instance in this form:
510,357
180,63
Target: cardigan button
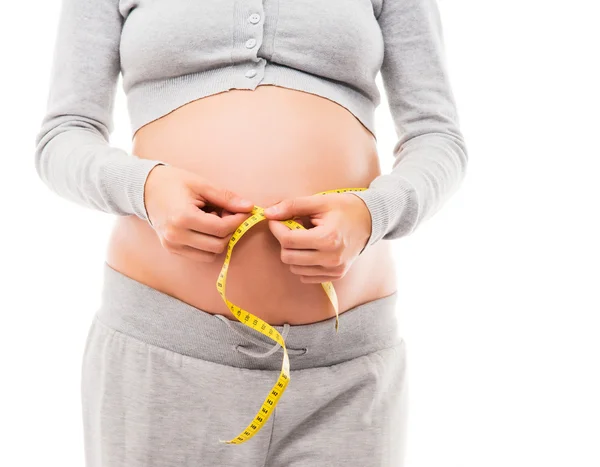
251,73
254,18
250,43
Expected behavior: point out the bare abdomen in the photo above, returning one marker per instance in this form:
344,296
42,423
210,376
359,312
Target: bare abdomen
266,145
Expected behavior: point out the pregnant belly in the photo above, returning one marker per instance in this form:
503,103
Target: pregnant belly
266,145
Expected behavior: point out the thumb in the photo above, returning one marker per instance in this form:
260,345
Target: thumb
300,206
223,198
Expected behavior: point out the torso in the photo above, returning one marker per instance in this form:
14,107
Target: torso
266,145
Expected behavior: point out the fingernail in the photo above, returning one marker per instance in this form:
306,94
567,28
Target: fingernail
272,210
246,201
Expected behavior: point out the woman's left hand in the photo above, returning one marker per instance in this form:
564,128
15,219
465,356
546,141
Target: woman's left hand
342,227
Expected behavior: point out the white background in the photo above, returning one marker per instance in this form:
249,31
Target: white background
498,291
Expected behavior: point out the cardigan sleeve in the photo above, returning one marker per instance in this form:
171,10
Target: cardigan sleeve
73,156
430,156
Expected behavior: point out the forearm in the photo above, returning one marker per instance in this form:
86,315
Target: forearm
72,151
428,170
80,166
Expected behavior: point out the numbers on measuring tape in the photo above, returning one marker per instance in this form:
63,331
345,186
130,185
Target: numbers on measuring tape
252,321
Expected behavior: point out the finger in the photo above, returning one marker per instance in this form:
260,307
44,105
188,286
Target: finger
315,279
234,221
222,197
317,238
279,230
300,206
320,270
308,258
210,224
200,221
219,212
210,209
200,241
304,221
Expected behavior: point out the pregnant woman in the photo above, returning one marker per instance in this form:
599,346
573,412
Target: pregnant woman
235,105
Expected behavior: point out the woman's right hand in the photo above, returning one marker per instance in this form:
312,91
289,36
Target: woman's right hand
174,201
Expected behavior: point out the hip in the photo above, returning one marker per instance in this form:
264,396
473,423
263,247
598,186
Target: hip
154,318
165,381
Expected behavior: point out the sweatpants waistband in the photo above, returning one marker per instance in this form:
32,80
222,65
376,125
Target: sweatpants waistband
158,319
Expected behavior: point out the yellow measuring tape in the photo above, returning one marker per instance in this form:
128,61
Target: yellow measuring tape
261,326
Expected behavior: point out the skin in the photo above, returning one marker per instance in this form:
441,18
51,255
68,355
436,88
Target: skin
272,147
340,223
326,252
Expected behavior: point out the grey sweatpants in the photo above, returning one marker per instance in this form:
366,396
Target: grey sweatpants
163,382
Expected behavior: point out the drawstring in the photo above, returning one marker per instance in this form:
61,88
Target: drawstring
272,348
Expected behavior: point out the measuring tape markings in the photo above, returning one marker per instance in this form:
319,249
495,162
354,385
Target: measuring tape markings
263,327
